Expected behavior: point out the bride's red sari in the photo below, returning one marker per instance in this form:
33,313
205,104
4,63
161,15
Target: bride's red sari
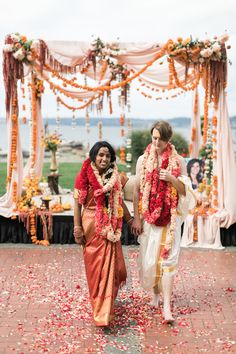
104,262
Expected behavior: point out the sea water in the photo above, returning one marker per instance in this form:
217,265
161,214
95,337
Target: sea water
80,134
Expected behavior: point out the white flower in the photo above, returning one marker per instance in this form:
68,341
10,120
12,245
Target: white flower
206,53
114,61
122,52
128,143
8,48
224,38
129,157
15,37
218,55
20,54
35,44
115,53
216,47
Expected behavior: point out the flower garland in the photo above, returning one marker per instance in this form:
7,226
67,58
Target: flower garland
159,199
107,87
33,121
108,198
194,51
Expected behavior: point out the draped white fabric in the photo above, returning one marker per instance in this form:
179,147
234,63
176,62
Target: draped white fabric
225,166
208,231
36,168
6,201
136,57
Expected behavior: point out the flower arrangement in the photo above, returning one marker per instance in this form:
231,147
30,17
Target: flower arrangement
21,47
31,189
52,141
198,51
105,54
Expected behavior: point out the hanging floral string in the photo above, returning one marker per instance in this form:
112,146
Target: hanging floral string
22,87
214,186
194,124
13,148
107,87
72,108
129,147
206,102
33,121
87,126
99,131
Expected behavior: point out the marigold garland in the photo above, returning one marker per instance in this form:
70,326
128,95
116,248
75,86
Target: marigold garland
33,121
108,218
73,108
107,87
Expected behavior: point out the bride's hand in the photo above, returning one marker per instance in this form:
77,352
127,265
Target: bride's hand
79,235
136,227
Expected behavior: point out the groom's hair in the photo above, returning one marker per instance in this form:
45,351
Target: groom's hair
164,129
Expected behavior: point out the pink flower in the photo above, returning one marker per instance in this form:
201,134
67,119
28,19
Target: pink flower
165,253
98,192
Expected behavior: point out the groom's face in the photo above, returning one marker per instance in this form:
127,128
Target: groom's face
159,144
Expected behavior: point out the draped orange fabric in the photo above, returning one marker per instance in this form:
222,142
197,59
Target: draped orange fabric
104,265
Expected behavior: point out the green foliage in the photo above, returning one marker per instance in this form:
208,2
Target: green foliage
3,176
180,144
206,154
140,139
67,170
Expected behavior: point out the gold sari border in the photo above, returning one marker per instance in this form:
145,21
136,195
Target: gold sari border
160,260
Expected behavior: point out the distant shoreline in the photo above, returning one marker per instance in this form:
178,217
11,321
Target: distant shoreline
115,121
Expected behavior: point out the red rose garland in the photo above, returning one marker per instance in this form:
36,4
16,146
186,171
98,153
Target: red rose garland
108,221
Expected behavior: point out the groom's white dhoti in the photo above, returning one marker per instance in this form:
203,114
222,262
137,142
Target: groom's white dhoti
151,265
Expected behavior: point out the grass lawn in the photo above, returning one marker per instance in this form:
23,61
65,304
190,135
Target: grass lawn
68,170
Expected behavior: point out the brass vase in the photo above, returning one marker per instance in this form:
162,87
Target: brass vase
53,166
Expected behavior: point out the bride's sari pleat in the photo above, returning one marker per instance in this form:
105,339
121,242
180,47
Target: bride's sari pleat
105,269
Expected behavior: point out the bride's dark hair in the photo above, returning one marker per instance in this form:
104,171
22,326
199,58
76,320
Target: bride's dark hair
97,146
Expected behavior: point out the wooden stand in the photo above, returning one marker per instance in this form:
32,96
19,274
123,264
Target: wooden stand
53,182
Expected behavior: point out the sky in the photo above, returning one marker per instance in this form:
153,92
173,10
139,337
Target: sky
128,20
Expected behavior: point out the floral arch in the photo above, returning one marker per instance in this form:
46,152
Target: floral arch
163,71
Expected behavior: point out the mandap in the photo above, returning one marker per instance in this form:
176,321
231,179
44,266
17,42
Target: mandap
81,74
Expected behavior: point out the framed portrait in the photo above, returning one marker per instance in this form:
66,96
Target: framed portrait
195,170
